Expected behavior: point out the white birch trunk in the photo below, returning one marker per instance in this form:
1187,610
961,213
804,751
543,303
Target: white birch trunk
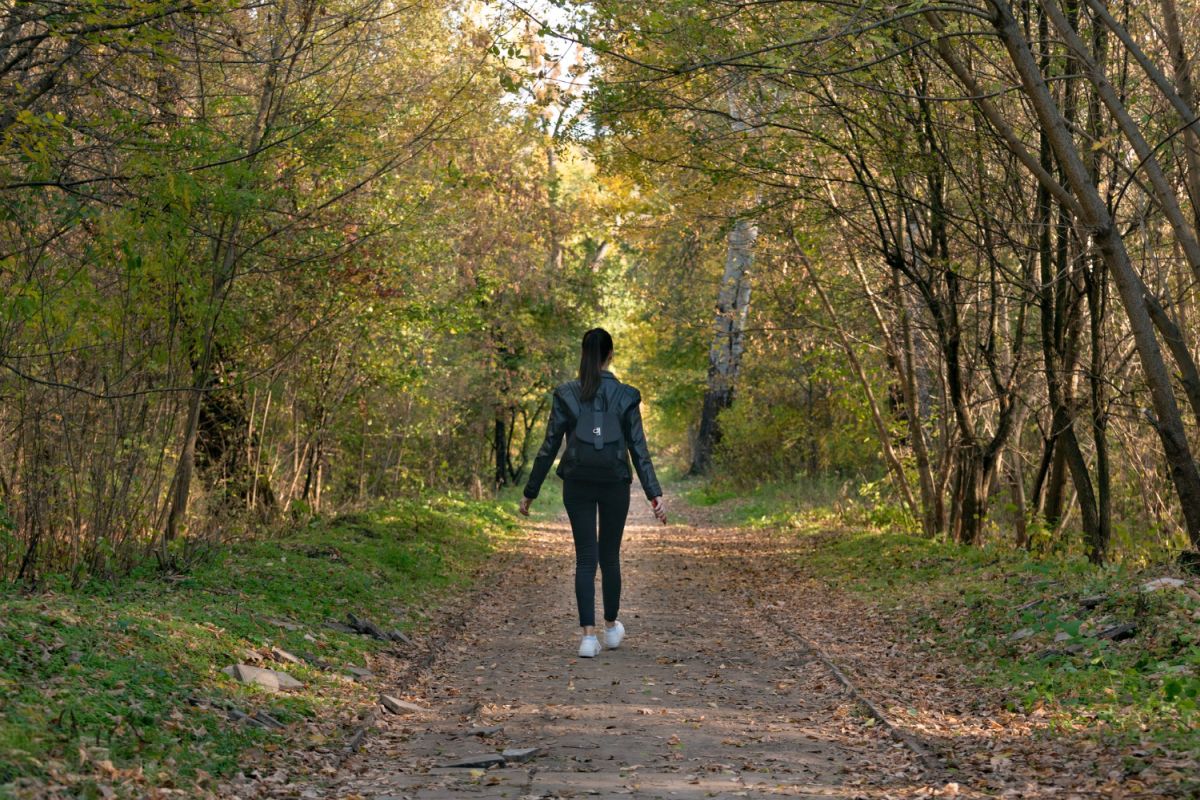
725,354
733,306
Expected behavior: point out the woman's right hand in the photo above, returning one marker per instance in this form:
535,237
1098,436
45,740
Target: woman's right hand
660,509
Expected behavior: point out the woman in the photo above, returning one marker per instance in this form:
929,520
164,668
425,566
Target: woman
600,419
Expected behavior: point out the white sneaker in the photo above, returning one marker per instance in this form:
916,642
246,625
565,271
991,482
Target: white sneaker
614,635
589,647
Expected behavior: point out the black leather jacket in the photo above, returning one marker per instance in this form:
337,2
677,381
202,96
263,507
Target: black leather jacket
624,401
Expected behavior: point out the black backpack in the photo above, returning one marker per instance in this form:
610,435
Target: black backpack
598,444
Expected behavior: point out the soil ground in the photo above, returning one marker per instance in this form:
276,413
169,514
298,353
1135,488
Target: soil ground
719,690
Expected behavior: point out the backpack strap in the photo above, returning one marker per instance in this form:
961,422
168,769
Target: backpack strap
598,422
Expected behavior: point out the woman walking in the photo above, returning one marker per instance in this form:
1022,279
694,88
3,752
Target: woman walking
600,419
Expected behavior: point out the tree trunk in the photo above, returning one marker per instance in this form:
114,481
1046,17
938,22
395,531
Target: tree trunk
254,488
1095,215
500,445
1181,95
225,254
902,353
725,354
1056,481
1185,235
915,385
362,462
1182,70
1017,485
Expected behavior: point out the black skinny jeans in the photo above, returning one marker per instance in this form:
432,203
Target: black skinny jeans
583,499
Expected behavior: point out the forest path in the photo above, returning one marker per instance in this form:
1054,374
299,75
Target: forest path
705,698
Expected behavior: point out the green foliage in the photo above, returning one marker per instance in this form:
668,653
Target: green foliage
110,671
373,264
879,507
708,493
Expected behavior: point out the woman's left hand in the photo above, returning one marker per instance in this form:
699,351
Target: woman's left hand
526,502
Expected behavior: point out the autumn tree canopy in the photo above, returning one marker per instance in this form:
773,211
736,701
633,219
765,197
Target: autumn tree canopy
263,260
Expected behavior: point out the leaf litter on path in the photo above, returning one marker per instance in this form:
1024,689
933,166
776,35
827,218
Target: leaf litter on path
707,696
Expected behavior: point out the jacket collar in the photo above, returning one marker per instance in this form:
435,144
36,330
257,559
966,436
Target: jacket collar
607,373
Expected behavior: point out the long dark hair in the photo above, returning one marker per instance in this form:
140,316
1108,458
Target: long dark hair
597,347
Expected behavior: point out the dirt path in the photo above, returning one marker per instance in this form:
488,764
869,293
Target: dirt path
706,698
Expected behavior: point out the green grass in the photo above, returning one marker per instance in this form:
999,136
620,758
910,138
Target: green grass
1024,619
1018,619
105,673
548,504
771,505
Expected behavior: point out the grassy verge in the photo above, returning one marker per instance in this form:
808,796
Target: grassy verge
548,505
773,505
1040,627
121,683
